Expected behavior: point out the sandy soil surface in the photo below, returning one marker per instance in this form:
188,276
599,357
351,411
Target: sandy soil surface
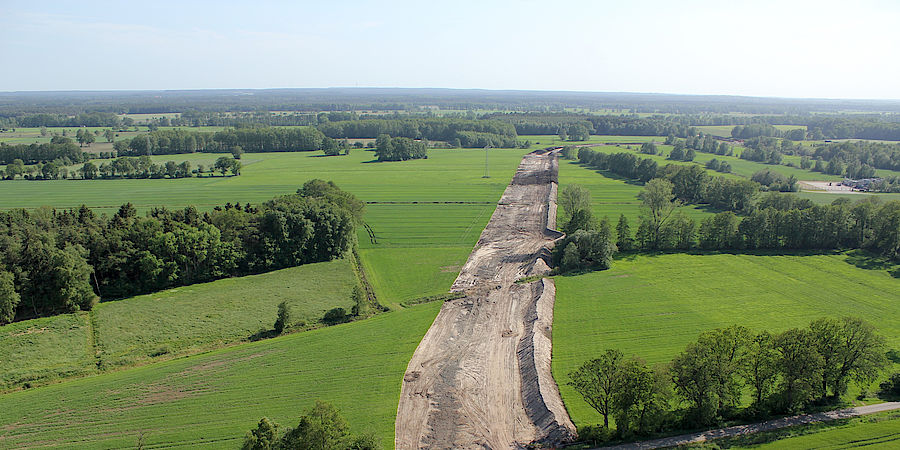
480,378
823,186
760,427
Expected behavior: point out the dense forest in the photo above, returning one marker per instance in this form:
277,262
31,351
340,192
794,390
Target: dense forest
55,261
457,132
13,104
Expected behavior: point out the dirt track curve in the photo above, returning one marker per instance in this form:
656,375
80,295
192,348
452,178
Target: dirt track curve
480,378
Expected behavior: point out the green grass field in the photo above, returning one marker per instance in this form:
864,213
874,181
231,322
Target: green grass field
612,195
652,306
875,431
177,321
213,399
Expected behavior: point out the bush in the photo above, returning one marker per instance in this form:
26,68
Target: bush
891,387
284,317
334,316
595,434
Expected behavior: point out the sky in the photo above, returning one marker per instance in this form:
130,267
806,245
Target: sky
822,49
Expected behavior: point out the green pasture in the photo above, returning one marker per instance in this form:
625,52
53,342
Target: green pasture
612,195
652,306
879,432
172,322
873,431
213,399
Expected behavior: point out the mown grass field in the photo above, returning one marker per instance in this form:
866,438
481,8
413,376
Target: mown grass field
177,321
879,431
652,306
213,399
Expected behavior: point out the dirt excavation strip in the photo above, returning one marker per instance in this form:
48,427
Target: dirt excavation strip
770,425
480,378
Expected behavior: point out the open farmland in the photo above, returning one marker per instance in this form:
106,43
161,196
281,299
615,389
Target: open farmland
214,398
653,305
171,322
414,206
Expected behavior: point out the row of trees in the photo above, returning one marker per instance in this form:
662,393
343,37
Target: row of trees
59,147
785,372
123,167
62,261
620,125
777,223
238,140
433,129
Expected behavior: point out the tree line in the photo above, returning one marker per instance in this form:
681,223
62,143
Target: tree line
785,372
618,125
436,129
122,167
778,222
60,261
238,140
59,147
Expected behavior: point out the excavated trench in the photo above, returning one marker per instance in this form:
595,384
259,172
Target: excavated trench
481,378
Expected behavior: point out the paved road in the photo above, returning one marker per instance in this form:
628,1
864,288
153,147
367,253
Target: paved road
760,427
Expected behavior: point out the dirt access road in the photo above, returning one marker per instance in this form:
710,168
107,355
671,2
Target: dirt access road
480,378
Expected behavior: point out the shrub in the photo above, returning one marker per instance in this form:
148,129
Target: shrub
284,317
334,316
891,386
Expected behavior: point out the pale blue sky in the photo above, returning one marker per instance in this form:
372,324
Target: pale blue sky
834,49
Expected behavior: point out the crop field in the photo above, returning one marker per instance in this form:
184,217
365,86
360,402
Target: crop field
652,306
172,322
215,398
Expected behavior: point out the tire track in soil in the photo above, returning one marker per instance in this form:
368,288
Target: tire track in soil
480,378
